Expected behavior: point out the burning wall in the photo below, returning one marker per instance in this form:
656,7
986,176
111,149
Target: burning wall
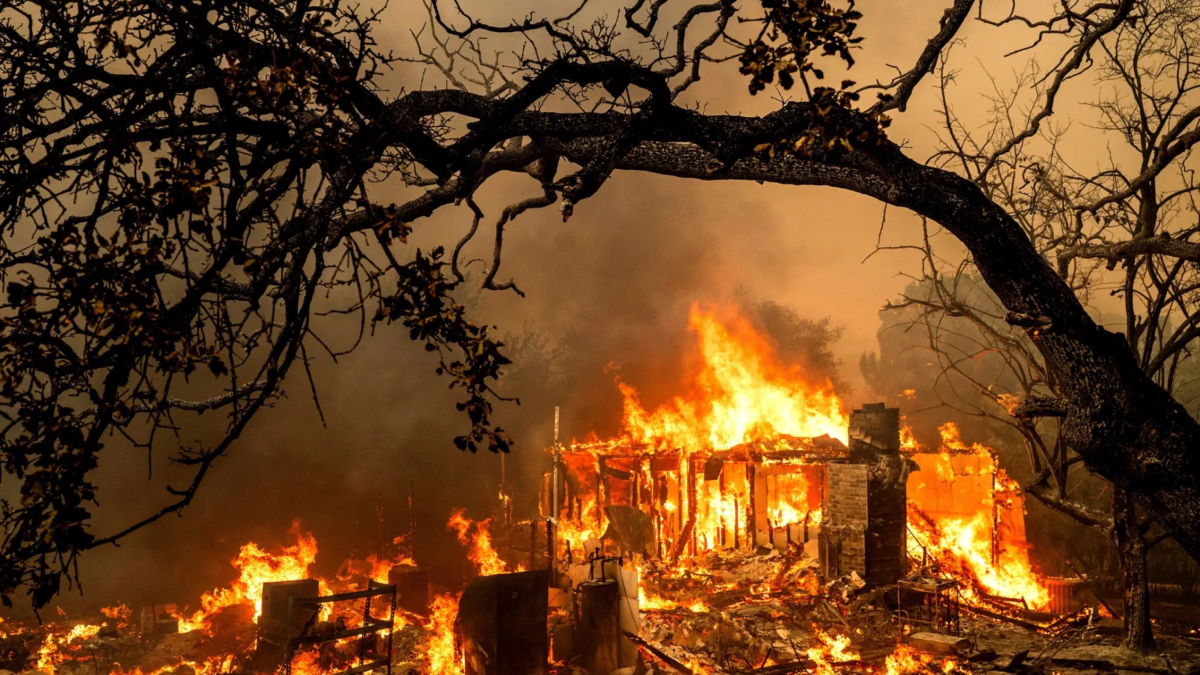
757,455
968,516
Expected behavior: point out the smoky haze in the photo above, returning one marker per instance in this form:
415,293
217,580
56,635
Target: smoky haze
608,296
610,290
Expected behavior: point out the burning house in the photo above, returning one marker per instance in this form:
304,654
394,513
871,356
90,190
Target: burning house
843,505
753,525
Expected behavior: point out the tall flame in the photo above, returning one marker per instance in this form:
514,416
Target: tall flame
441,651
477,537
744,394
256,566
969,519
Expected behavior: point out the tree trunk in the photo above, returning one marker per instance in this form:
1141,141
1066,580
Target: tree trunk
1131,551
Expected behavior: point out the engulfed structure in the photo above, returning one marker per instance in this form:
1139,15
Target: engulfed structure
845,505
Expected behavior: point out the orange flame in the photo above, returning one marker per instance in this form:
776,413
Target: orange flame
972,523
744,395
120,615
59,646
441,651
970,543
477,537
210,666
829,651
907,661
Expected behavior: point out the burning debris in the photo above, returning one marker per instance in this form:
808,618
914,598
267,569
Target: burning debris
755,526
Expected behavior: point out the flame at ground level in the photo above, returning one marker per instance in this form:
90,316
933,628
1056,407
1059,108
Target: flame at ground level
967,517
255,566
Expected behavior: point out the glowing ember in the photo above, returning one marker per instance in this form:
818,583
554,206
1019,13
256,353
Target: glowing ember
212,666
648,602
255,567
907,661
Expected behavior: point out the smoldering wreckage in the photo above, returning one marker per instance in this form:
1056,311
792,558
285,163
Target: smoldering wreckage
754,528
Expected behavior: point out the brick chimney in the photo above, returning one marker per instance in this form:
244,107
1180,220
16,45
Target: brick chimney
864,510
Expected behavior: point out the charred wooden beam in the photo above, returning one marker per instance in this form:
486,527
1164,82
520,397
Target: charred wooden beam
666,658
1027,625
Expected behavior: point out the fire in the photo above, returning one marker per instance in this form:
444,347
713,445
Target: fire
648,602
829,651
907,661
373,567
743,395
212,666
120,615
574,536
57,647
442,653
255,567
975,541
790,502
479,544
966,515
964,550
1009,403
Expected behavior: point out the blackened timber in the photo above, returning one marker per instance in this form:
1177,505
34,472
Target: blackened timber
685,538
751,520
1001,617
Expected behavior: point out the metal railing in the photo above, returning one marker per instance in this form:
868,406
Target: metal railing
369,626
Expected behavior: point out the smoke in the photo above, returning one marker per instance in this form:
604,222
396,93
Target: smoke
607,296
